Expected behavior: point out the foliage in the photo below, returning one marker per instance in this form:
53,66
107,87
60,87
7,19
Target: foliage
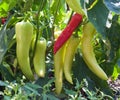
48,16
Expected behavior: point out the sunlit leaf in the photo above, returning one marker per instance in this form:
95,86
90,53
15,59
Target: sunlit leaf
6,6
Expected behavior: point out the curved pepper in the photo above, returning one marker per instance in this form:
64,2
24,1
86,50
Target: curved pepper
58,64
24,32
88,53
39,57
67,32
71,47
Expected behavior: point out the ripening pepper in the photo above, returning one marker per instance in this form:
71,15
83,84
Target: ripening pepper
88,52
71,47
58,66
24,32
67,32
39,57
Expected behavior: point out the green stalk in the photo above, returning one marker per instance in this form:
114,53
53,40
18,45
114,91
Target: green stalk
37,31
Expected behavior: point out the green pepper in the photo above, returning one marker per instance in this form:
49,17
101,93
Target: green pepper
75,6
71,47
88,51
24,32
39,57
59,64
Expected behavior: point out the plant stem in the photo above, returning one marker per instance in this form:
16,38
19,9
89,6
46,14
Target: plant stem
37,22
55,14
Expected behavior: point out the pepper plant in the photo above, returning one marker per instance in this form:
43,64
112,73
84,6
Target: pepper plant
58,69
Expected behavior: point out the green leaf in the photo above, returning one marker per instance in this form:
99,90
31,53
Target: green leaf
118,63
58,10
27,5
7,97
115,72
113,34
70,92
7,66
44,97
32,87
98,15
3,42
113,5
6,6
5,38
81,71
3,9
2,83
5,73
51,97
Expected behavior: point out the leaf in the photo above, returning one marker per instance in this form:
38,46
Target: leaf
44,96
27,5
2,83
32,89
51,97
115,72
42,82
5,84
6,97
81,71
3,42
70,92
6,6
5,73
113,5
7,66
3,9
118,63
5,38
113,34
34,86
58,9
95,15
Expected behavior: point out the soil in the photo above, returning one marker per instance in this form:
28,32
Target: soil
115,86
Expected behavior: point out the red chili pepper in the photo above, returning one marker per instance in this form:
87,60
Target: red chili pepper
67,32
3,20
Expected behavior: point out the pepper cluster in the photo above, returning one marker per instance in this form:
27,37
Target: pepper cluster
66,45
24,36
64,49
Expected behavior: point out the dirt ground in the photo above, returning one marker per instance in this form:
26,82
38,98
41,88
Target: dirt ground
115,86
